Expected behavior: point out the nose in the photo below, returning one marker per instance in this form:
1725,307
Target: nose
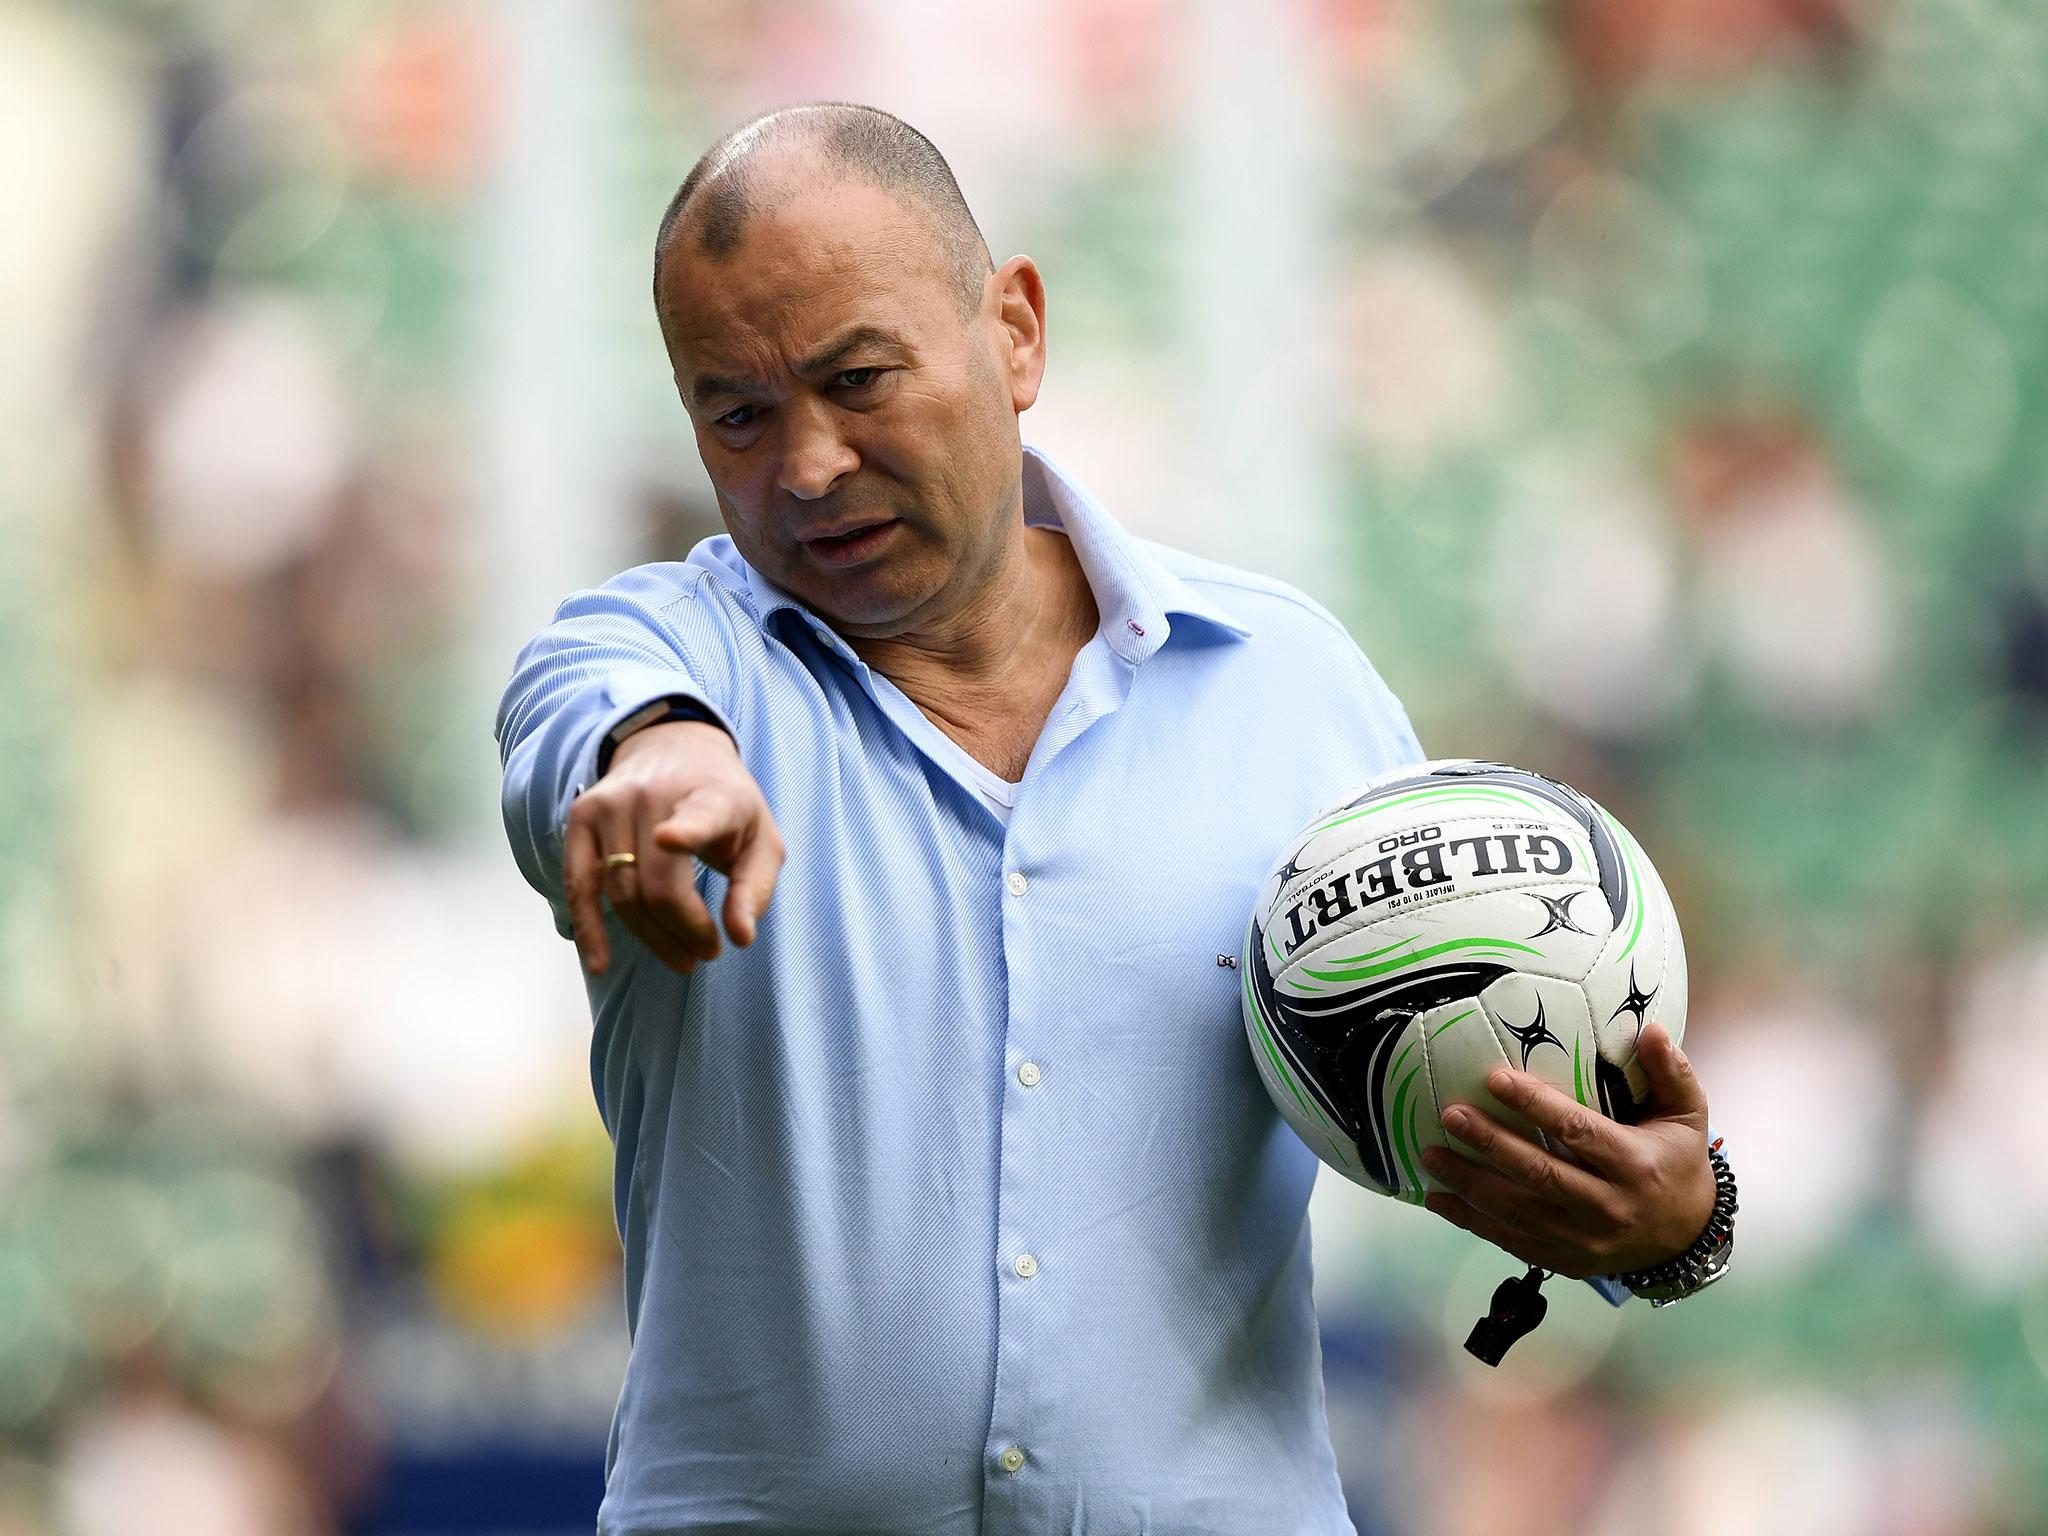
815,457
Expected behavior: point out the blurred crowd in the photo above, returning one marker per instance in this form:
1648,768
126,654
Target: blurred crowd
1658,388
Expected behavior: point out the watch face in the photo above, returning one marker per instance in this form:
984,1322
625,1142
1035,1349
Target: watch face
1692,1277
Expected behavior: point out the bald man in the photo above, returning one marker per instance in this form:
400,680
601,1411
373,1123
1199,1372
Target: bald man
951,1199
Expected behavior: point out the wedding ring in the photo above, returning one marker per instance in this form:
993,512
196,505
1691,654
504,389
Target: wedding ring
620,860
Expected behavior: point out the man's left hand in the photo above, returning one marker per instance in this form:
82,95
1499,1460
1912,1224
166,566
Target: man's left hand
1635,1196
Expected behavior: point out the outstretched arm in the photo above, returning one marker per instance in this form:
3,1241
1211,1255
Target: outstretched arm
607,655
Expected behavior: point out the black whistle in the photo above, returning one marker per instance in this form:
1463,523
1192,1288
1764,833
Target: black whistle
1518,1306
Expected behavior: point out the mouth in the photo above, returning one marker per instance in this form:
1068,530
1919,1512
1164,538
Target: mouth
850,545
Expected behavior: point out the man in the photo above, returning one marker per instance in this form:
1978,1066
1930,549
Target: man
951,1199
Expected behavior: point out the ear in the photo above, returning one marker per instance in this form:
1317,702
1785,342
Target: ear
1017,293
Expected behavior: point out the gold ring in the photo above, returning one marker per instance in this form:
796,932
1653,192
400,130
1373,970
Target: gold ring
620,860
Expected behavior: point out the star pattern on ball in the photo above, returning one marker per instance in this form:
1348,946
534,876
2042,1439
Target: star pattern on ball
1293,868
1557,914
1536,1032
1637,1002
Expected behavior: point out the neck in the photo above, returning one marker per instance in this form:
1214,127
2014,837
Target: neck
988,669
1024,609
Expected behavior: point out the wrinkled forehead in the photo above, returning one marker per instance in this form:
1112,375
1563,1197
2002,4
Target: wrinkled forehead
804,267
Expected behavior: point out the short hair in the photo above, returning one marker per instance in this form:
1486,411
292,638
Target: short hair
858,142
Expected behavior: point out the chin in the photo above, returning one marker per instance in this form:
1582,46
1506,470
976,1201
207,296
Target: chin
868,601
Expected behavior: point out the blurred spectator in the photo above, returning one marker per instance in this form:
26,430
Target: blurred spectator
1981,1173
1581,601
1797,593
1621,45
146,1460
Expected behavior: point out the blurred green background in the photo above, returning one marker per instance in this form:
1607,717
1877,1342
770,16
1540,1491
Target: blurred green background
1658,388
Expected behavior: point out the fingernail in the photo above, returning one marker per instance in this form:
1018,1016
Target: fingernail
1433,1158
1500,1084
1455,1121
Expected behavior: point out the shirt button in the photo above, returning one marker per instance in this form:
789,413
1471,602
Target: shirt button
1017,883
1011,1460
1028,1074
1025,1265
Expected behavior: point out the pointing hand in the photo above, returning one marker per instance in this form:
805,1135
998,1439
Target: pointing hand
673,794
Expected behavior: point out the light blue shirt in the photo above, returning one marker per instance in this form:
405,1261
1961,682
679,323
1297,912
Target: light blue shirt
954,1205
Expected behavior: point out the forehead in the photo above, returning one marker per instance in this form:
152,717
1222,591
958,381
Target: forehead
808,264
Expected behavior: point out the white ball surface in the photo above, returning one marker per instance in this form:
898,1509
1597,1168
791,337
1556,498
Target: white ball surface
1434,924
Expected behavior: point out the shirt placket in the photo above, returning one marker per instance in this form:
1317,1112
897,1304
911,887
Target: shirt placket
1025,1463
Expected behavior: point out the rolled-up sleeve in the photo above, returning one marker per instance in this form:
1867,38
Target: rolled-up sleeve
609,652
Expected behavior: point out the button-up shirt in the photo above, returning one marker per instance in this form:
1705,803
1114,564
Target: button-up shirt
954,1204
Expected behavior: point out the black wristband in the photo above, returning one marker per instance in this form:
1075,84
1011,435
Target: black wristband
662,711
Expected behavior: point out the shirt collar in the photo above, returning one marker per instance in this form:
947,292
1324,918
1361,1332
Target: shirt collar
1135,594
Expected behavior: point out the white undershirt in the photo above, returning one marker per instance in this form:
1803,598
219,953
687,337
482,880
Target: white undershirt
997,792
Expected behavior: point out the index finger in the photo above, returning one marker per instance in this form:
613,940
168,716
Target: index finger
753,883
1588,1135
702,815
581,861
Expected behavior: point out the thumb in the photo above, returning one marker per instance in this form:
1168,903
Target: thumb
1674,1088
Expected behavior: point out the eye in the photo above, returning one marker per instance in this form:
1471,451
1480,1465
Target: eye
739,416
858,378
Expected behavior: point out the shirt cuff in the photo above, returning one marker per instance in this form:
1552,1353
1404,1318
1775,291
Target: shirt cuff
1609,1289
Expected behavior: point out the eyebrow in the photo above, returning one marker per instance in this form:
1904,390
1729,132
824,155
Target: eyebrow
823,360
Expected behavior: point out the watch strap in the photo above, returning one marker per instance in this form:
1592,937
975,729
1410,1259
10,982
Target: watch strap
661,711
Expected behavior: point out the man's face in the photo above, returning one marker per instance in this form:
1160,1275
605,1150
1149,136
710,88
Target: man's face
860,433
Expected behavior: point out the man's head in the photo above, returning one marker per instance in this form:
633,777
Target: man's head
850,362
842,141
